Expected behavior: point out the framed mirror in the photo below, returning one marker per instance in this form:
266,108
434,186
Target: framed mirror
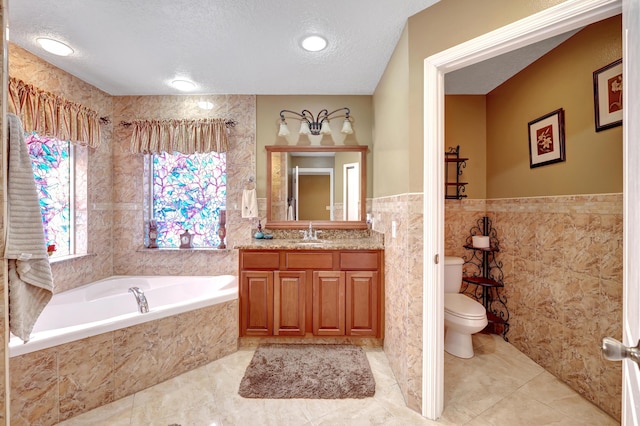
325,185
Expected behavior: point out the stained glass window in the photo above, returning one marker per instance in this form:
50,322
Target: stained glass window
188,192
51,160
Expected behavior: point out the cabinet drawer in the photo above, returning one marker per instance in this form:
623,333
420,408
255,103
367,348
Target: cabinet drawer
359,260
261,260
306,260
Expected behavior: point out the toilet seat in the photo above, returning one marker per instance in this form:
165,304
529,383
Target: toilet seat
461,306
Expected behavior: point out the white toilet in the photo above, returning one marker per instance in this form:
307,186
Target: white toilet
463,316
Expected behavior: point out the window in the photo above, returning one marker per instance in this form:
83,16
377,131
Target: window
187,193
52,161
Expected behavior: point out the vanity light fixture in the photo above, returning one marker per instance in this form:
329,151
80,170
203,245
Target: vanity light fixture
315,126
183,85
314,43
54,46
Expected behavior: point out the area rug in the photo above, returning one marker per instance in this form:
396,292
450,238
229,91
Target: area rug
279,371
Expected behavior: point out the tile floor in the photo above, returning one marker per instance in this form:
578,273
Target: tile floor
516,392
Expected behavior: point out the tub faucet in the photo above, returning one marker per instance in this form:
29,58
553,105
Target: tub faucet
141,299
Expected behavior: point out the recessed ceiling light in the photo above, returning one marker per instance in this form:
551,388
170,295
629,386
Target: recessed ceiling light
314,43
54,46
183,85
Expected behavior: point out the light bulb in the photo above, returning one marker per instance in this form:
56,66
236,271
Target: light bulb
304,128
346,127
284,129
325,129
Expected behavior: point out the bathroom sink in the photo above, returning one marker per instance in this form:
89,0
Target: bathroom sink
312,243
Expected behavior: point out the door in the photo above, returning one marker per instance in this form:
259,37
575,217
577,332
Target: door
631,268
328,303
256,301
362,303
288,303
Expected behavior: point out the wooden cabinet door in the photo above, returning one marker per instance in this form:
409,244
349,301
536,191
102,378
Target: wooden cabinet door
256,303
362,303
289,303
328,303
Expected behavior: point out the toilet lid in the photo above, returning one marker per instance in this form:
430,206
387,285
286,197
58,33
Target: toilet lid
462,306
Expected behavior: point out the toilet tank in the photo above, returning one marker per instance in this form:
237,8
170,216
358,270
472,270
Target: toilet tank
452,274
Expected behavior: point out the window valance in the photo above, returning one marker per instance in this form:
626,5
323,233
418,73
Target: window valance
184,136
51,115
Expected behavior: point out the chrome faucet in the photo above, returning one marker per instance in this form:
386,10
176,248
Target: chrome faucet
310,234
141,299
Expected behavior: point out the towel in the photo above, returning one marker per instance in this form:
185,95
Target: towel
290,213
30,278
249,203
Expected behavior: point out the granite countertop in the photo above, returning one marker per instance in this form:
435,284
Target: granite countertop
319,244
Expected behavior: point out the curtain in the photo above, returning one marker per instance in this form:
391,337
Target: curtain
184,136
51,115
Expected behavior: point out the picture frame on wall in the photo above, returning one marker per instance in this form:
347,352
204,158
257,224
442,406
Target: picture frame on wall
546,139
607,95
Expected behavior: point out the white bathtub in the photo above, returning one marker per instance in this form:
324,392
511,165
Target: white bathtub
107,305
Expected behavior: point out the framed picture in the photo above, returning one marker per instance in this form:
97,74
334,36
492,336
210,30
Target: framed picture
607,95
546,139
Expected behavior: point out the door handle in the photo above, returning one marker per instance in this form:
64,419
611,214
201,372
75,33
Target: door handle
616,351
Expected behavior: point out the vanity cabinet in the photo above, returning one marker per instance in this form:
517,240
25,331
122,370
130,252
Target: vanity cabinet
310,293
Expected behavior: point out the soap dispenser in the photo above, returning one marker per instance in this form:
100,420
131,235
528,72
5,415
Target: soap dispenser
259,235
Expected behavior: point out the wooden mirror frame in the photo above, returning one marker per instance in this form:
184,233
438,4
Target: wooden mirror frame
320,224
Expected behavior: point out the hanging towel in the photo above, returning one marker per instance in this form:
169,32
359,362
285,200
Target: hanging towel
30,278
290,212
249,203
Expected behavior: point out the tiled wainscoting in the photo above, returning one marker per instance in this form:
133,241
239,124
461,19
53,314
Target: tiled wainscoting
403,290
562,263
54,384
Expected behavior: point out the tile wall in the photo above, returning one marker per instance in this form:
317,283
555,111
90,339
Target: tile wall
562,264
403,290
115,230
54,384
130,257
4,311
72,273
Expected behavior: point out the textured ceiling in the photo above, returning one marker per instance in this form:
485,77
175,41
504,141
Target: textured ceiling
483,77
136,47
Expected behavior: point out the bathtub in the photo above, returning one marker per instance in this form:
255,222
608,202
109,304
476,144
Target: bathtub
107,305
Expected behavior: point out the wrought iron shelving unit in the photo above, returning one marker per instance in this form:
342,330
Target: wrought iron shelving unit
454,189
484,278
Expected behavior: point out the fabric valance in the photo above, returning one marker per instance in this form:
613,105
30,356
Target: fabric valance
184,136
51,115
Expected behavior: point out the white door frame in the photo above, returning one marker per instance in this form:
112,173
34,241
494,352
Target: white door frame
317,171
347,196
566,16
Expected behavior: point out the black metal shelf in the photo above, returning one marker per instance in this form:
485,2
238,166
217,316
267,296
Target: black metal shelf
453,188
485,278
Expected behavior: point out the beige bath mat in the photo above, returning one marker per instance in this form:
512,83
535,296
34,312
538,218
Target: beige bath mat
280,371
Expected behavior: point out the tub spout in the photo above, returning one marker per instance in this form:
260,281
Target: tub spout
141,299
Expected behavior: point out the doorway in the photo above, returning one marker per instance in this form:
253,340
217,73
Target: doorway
550,22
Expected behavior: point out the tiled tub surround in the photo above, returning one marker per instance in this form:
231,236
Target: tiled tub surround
403,290
101,372
54,384
109,304
562,260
